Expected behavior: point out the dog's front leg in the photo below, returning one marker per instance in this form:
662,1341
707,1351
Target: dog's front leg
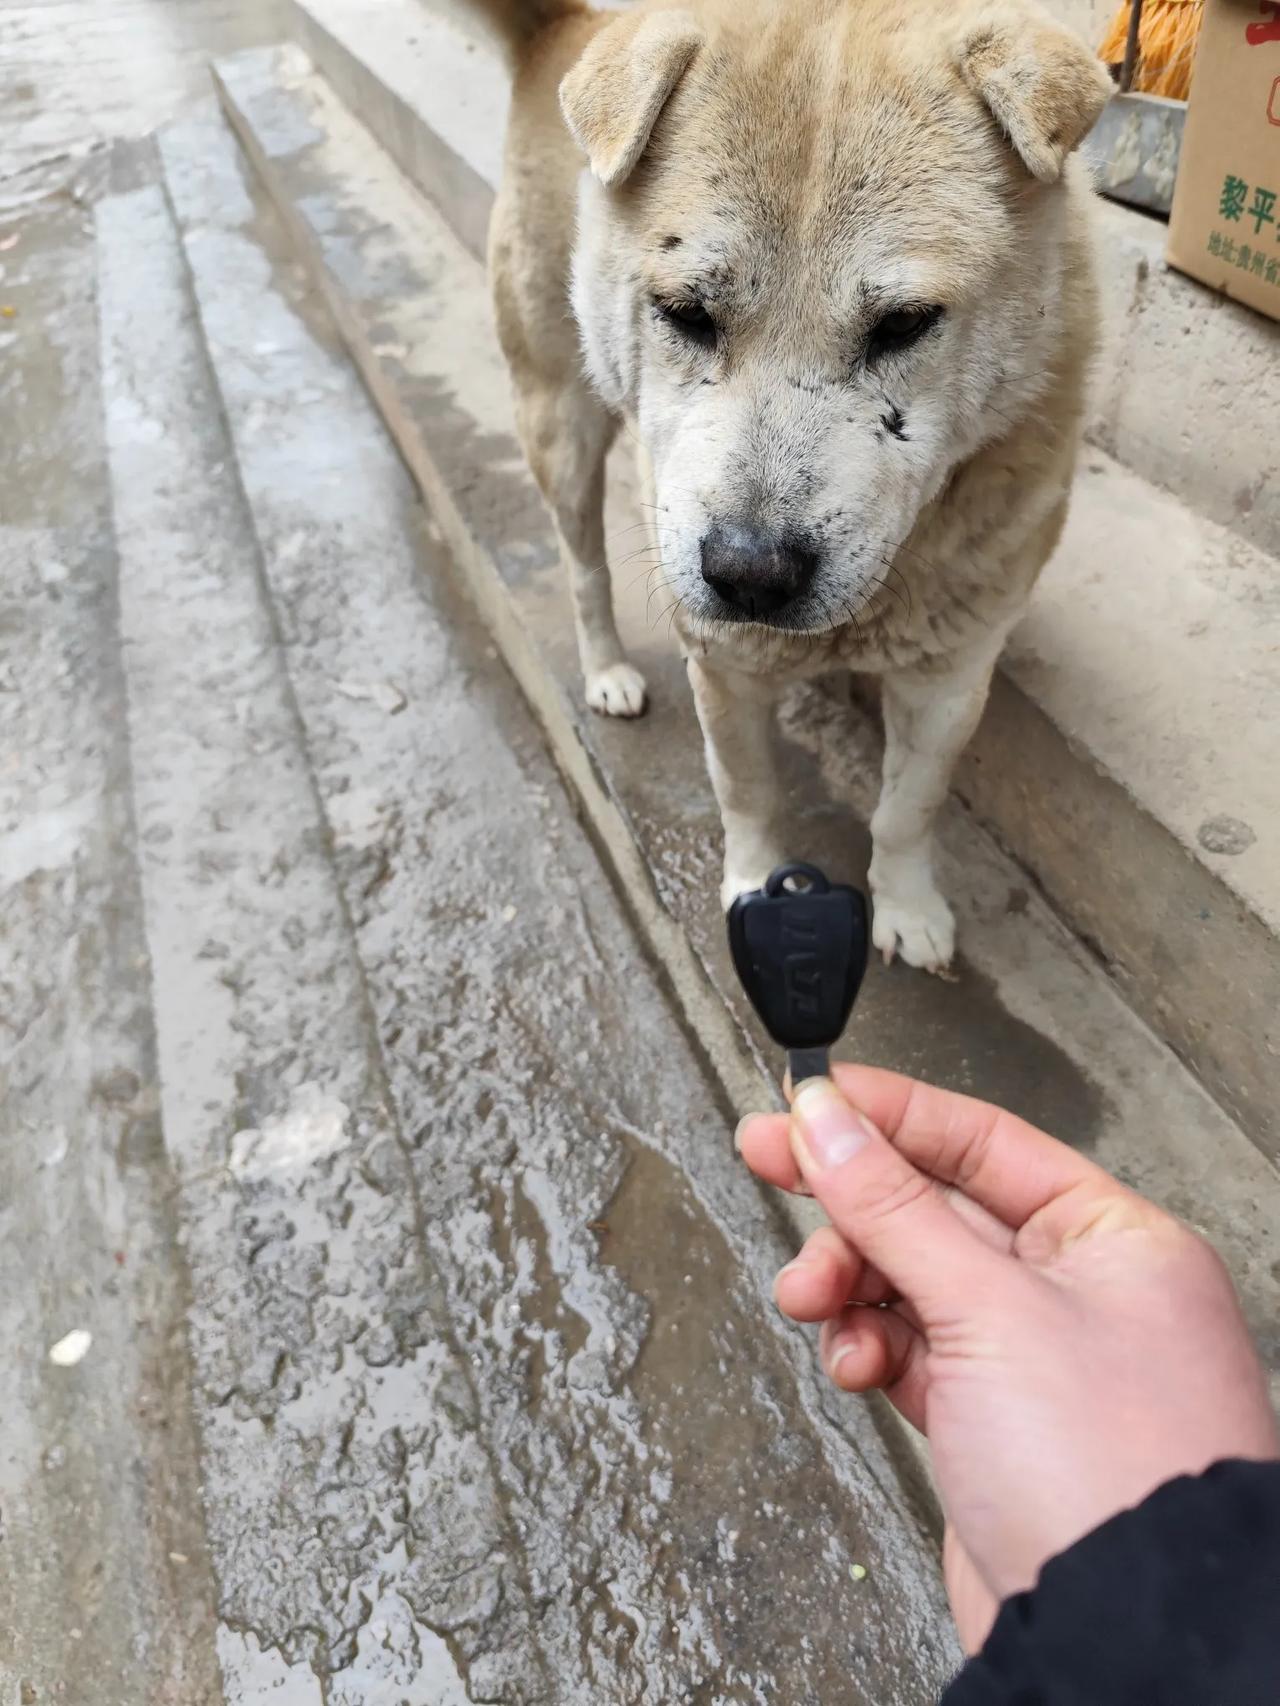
566,435
929,716
739,726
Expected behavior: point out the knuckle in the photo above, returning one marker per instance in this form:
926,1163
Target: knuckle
890,1193
974,1158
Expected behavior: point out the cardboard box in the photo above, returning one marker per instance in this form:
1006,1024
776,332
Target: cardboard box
1225,223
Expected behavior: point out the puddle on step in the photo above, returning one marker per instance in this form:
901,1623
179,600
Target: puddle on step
752,1506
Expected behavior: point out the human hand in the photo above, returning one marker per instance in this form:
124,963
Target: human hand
1066,1346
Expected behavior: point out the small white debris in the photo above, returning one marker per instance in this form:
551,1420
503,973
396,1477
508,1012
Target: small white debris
384,694
72,1348
509,914
56,1153
394,352
10,242
177,1557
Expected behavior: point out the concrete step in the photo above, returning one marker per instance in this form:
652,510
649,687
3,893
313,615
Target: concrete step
1130,757
482,1322
105,1590
1033,1021
1187,391
1102,765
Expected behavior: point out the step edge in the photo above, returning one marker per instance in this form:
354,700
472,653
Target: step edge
463,196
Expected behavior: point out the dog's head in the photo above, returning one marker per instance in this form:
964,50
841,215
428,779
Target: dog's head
819,261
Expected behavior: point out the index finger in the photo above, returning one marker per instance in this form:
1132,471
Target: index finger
1009,1166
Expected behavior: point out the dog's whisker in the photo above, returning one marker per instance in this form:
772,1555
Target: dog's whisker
633,556
652,592
645,573
668,610
631,527
903,596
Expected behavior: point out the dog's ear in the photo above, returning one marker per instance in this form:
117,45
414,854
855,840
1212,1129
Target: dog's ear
1041,83
613,95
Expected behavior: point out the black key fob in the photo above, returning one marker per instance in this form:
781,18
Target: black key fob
799,945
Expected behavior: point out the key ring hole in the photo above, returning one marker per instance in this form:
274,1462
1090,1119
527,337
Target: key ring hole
796,878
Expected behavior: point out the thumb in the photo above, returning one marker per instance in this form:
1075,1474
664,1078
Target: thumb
892,1214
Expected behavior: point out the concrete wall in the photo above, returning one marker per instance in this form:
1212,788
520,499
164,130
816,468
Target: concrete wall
1089,17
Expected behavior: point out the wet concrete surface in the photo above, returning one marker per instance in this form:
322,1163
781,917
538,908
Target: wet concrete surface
652,1437
362,1077
105,1595
76,74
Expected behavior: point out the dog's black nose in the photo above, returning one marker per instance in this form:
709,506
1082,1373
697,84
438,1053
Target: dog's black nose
754,572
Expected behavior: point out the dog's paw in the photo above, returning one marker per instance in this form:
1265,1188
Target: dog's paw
618,691
923,931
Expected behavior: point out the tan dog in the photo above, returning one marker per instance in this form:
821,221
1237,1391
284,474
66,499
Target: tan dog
832,263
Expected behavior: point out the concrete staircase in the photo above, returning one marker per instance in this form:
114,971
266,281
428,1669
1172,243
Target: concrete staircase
426,1353
342,872
318,870
1119,966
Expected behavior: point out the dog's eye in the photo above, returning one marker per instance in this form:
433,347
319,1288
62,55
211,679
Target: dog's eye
901,328
691,318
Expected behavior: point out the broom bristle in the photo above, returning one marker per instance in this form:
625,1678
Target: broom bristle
1167,36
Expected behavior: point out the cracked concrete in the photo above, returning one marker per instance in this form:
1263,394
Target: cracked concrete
599,1273
480,1395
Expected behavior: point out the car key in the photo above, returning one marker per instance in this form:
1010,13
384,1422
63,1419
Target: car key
799,945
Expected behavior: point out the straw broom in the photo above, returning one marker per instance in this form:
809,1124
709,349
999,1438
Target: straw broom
1151,45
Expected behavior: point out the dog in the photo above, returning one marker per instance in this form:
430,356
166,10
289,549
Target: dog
831,261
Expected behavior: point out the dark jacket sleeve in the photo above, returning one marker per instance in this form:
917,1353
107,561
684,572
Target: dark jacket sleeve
1176,1603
